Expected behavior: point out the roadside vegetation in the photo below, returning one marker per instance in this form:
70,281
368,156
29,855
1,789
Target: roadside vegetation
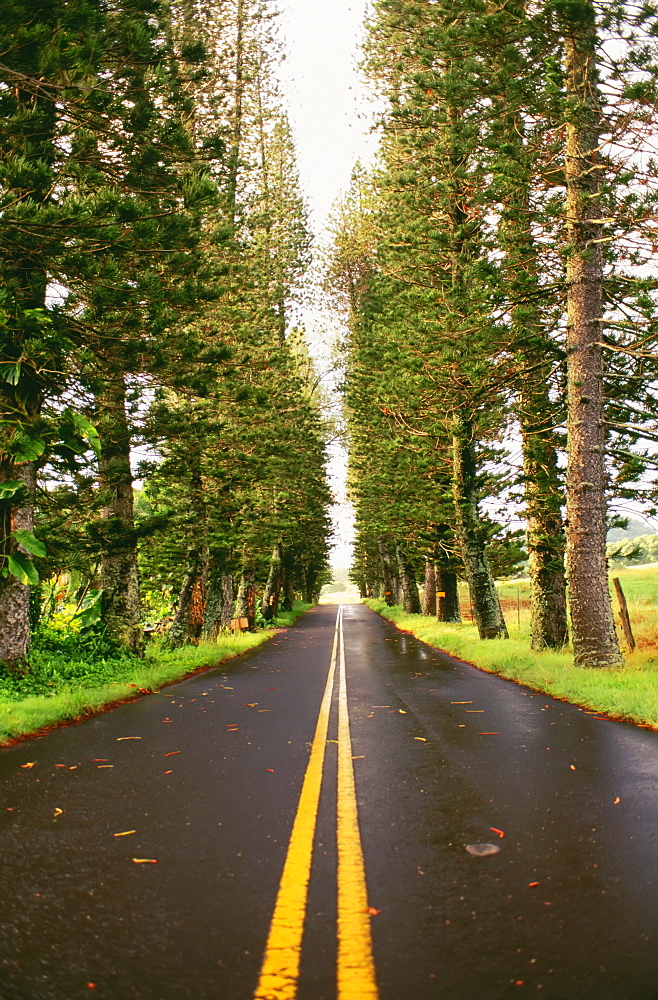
629,693
72,676
494,271
153,243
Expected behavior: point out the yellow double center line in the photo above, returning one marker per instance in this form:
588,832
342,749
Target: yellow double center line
355,967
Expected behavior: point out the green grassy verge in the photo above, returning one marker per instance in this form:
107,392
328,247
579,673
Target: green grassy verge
60,689
630,694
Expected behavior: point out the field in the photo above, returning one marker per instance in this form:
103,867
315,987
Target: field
630,694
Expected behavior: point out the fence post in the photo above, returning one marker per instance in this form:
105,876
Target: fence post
623,613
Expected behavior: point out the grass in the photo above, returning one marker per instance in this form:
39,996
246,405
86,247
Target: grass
630,694
69,684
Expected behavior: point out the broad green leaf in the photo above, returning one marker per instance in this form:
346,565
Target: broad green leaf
28,449
87,432
29,542
90,614
22,568
9,489
10,371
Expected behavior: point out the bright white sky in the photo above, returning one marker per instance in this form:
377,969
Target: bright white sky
327,105
325,97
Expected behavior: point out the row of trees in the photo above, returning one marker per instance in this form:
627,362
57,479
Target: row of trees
152,242
496,272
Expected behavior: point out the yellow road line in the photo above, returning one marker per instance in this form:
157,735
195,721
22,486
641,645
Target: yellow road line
355,969
280,969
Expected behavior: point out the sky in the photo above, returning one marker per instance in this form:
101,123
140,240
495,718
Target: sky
325,97
328,109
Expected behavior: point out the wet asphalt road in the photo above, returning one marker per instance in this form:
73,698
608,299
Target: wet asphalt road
208,773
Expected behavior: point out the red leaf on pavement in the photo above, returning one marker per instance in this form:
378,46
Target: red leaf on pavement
171,753
532,885
30,763
372,911
495,829
145,861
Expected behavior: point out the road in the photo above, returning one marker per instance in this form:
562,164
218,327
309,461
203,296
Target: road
206,899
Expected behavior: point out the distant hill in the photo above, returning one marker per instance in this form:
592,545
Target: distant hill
634,530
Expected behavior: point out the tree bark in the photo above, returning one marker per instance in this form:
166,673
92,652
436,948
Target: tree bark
544,526
14,595
120,599
219,601
288,581
390,586
246,602
270,603
410,597
188,620
486,603
447,607
429,597
595,642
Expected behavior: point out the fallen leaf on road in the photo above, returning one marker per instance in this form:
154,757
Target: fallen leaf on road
90,986
145,861
101,766
171,753
249,704
169,772
532,885
124,833
482,850
58,812
270,769
487,734
495,829
617,801
402,711
461,702
421,738
30,763
119,738
60,765
572,767
372,911
97,760
475,711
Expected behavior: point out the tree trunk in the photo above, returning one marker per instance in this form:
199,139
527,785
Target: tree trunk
270,603
311,594
120,601
288,582
14,595
544,527
429,597
595,641
219,601
390,587
246,603
188,620
410,598
486,603
536,412
447,607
